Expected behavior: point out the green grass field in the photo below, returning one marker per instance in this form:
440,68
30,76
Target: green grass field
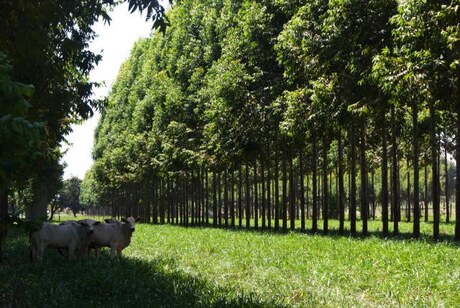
175,266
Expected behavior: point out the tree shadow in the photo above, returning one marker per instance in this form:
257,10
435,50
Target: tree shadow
125,282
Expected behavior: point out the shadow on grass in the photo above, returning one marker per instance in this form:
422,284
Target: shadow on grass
96,282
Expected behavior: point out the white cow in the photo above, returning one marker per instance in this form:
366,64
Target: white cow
116,235
71,236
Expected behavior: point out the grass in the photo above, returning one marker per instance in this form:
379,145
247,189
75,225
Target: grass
172,266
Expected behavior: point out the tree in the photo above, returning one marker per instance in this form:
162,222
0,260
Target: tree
70,195
47,43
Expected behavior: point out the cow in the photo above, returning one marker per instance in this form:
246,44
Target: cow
116,235
73,236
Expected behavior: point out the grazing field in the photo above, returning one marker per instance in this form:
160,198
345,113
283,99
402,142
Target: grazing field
175,266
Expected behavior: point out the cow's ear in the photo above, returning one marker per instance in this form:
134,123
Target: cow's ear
83,223
124,220
97,222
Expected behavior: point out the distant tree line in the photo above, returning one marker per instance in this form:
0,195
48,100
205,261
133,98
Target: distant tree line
269,113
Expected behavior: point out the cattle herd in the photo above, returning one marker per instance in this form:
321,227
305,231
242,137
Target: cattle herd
77,238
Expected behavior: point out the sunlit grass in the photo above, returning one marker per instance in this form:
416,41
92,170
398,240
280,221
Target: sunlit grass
175,266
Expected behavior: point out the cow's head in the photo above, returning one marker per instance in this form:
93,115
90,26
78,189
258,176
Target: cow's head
130,221
89,224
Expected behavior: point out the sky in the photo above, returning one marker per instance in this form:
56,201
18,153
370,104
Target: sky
115,41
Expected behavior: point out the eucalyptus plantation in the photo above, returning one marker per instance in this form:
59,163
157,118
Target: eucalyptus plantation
285,105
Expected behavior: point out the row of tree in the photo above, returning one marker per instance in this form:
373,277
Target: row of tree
251,110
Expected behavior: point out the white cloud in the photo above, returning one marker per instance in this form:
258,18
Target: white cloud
116,42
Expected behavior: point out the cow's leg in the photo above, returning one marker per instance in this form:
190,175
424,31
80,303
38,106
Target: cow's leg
72,249
39,253
112,252
119,253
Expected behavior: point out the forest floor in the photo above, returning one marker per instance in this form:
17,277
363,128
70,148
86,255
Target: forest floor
173,266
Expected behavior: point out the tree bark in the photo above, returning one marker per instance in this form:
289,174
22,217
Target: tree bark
416,177
353,181
285,197
219,198
207,196
446,172
364,199
240,196
325,188
314,186
232,202
292,198
457,180
394,174
256,197
434,157
302,191
214,197
384,176
426,194
248,198
341,187
3,218
226,198
277,193
269,203
264,206
40,201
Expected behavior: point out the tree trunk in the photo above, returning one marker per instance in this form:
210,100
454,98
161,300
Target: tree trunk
302,191
292,199
314,186
457,179
416,172
285,197
373,194
232,202
434,157
256,197
364,199
426,194
384,176
269,203
214,197
207,196
264,206
248,198
341,187
408,209
394,174
226,198
277,193
193,198
353,181
155,199
325,188
40,201
219,198
186,181
446,172
3,218
240,196
307,199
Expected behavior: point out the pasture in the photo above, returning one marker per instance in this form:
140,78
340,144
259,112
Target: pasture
175,266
